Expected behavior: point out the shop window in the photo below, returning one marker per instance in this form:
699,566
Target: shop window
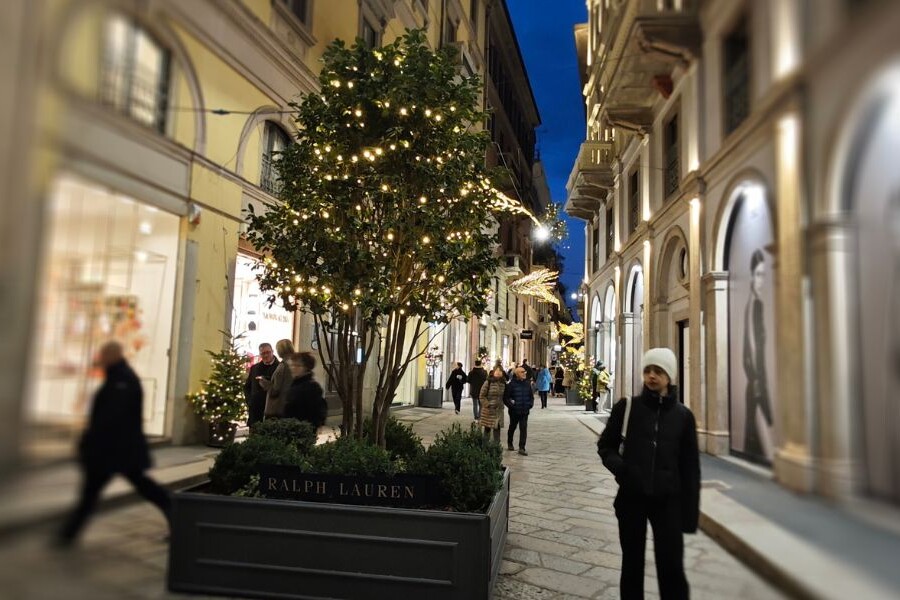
672,172
595,249
275,140
737,77
134,73
473,16
108,273
253,318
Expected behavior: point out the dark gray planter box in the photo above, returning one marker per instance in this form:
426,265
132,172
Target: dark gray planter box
261,548
429,398
573,399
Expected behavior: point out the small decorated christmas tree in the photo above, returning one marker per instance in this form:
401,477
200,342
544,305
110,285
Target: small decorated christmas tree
221,397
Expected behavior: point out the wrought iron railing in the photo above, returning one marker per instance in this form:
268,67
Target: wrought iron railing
268,179
135,91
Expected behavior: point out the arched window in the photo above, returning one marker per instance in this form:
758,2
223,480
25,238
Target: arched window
134,72
274,140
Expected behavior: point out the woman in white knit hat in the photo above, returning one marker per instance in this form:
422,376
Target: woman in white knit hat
656,463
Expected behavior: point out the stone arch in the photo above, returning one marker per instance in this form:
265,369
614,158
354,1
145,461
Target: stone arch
728,210
254,121
673,240
152,21
635,269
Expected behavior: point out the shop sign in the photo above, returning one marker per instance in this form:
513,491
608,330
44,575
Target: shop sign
406,491
526,334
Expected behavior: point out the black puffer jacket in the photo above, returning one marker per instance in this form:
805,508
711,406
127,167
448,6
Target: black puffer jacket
661,454
306,401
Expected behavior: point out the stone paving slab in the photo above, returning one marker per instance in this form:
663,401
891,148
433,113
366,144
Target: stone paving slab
123,555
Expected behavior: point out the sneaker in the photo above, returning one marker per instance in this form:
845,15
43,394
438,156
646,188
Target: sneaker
522,452
510,447
457,412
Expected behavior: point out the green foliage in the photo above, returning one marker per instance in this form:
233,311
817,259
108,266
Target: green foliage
221,397
251,490
468,468
238,462
350,456
401,441
385,194
299,434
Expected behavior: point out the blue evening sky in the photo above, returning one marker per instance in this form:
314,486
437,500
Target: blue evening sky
545,33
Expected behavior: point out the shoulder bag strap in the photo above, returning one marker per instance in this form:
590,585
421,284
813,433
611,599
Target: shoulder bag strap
625,425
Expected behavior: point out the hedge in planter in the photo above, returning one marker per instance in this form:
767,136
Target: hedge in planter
261,547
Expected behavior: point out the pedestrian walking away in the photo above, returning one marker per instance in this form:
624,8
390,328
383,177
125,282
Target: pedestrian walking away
455,384
650,446
544,380
277,387
492,394
254,392
477,376
519,399
113,443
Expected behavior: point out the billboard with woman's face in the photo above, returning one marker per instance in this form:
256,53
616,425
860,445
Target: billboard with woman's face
751,324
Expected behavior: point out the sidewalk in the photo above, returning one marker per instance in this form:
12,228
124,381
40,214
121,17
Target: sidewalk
44,494
801,544
563,542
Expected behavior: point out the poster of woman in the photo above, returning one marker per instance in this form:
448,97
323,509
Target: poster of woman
752,397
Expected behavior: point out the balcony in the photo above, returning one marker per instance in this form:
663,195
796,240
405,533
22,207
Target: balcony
590,180
642,42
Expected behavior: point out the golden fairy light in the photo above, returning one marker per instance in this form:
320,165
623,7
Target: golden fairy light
539,284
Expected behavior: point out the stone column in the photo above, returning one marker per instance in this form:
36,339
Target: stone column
695,402
21,214
715,287
792,458
628,366
839,472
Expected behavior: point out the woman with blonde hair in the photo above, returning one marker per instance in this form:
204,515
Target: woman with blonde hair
492,403
277,388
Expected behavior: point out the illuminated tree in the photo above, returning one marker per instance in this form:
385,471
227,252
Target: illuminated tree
384,224
221,397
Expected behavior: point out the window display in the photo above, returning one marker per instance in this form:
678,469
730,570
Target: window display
253,319
108,273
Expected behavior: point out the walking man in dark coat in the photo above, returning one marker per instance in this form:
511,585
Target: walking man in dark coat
477,377
518,398
657,467
455,384
255,392
113,442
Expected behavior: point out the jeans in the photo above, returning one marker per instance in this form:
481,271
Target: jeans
543,396
520,421
457,398
476,404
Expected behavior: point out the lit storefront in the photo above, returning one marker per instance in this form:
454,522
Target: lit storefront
108,273
254,321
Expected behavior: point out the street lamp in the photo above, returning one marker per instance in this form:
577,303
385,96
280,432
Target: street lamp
542,234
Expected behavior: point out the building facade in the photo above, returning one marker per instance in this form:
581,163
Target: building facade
136,134
739,209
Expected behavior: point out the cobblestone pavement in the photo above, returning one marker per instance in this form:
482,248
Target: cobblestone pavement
562,541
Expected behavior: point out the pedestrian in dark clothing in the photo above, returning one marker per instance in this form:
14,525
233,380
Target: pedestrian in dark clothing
558,389
519,399
529,371
113,442
305,399
477,376
657,466
254,392
455,384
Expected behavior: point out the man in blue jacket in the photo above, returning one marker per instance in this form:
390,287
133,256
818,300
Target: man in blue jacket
518,398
